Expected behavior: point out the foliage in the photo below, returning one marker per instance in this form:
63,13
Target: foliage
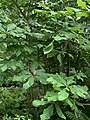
16,118
14,104
45,45
64,93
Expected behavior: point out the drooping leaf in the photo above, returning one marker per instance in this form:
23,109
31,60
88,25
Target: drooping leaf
59,112
48,48
69,102
59,59
47,113
52,53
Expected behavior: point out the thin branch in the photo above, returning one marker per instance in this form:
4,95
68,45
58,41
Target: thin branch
24,16
86,62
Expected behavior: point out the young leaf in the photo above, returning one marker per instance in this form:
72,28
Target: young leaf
81,4
59,112
47,113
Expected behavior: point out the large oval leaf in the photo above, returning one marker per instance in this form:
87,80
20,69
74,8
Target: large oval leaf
63,95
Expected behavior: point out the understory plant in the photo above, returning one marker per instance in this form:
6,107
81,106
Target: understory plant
62,98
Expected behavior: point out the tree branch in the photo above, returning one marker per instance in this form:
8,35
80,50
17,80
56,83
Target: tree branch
24,16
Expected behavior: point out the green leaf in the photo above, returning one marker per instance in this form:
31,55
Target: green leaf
60,79
44,6
59,38
52,53
37,103
21,77
29,83
42,76
0,4
1,28
11,27
70,80
37,35
63,95
69,35
59,112
28,49
47,113
88,1
69,9
59,57
47,31
3,36
68,101
81,4
48,48
51,96
55,83
80,14
80,76
4,67
78,90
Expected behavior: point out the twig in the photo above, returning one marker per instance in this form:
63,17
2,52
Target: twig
24,16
